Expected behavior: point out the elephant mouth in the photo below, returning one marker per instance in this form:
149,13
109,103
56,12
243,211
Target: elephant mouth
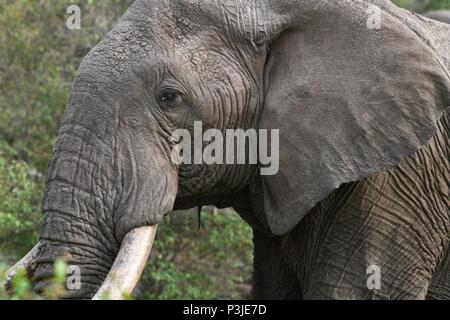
124,273
129,264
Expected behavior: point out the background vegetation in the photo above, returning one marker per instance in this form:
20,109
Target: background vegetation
38,60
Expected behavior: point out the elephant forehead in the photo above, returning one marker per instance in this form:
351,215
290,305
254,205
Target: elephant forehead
245,20
164,20
179,38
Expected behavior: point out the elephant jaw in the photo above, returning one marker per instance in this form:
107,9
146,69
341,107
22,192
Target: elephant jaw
125,272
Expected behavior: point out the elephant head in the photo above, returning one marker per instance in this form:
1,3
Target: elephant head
349,97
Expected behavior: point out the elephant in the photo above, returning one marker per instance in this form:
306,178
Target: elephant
439,15
358,92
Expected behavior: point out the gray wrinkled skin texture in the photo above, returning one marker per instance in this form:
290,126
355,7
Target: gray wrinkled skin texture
364,142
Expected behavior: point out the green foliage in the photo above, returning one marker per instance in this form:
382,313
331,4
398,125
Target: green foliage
39,60
22,289
21,286
19,204
211,262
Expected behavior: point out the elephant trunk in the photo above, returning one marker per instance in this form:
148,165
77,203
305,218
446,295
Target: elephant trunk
77,211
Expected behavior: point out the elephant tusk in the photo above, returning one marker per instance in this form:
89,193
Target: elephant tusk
129,264
24,263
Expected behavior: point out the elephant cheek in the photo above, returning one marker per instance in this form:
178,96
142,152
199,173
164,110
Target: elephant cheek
148,190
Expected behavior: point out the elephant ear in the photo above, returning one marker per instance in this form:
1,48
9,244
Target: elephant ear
348,100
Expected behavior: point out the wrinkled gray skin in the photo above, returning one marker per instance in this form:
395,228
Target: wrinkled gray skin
353,106
439,15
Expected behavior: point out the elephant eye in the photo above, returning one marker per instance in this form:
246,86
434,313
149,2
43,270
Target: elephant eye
170,97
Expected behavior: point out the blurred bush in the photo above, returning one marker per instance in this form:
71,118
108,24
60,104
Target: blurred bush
39,57
19,203
207,262
38,60
21,287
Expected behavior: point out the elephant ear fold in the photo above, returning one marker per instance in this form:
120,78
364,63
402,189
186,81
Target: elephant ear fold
349,101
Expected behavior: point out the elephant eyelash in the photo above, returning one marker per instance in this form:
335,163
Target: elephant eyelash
170,97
